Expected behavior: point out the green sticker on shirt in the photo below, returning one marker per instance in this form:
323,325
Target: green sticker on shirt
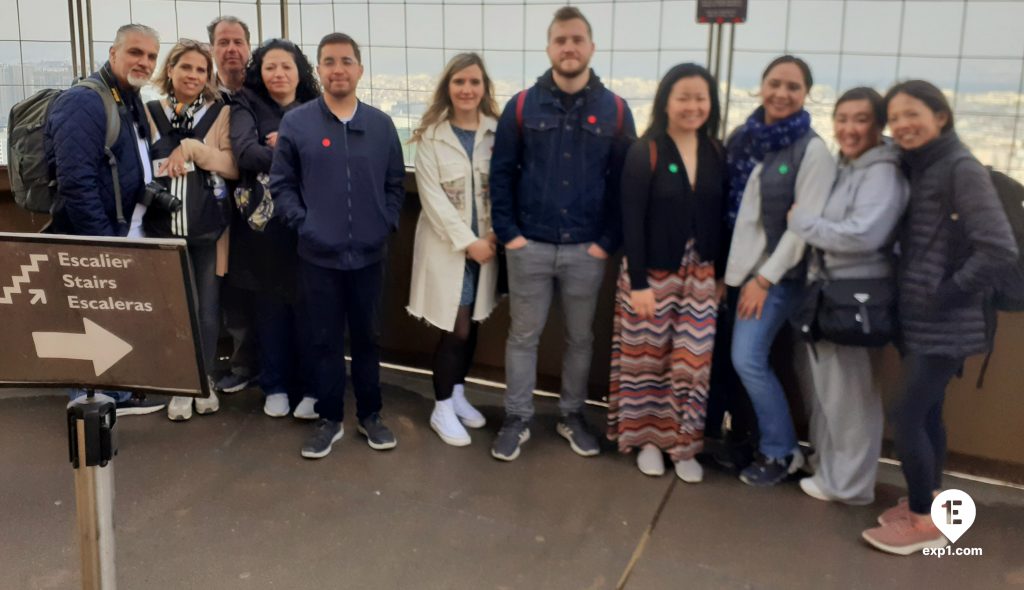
783,169
673,168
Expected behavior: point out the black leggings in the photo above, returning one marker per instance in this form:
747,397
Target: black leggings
454,354
918,431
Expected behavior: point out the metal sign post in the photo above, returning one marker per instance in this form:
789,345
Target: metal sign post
718,13
91,446
98,313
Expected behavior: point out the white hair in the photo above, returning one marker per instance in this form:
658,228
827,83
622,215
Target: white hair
138,29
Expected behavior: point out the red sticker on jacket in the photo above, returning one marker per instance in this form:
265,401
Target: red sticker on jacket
326,142
591,119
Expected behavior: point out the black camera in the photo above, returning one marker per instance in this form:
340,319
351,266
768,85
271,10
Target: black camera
156,194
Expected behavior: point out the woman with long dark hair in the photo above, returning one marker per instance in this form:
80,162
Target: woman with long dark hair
955,242
263,251
454,273
191,150
776,162
673,203
853,238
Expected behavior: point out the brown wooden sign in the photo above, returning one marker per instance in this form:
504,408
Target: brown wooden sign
721,11
102,313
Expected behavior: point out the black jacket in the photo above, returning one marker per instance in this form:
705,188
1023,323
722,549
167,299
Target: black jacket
954,241
661,212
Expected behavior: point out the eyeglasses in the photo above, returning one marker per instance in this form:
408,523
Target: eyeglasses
193,44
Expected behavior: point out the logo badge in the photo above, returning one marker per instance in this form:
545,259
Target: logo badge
673,168
953,512
326,142
783,169
591,119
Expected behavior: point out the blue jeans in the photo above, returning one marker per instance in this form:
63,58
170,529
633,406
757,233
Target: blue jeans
751,345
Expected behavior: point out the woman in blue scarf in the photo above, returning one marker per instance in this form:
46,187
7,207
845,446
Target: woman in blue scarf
776,162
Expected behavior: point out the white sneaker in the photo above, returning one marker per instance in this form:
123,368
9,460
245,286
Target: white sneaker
306,409
465,410
690,471
446,424
276,405
180,408
812,489
208,405
650,462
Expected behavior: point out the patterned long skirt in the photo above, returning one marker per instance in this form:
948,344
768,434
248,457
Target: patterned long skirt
661,367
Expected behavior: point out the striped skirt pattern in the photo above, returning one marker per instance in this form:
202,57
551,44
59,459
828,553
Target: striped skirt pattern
661,367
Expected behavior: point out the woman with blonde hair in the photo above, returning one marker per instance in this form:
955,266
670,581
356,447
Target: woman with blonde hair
191,153
454,275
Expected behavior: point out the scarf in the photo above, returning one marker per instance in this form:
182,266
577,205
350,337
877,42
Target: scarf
184,114
750,144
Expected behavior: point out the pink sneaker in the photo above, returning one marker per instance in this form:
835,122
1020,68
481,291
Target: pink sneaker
901,511
906,536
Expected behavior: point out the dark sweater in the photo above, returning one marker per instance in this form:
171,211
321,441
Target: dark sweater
661,212
338,184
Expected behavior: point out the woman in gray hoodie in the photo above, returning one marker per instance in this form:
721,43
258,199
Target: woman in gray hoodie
854,233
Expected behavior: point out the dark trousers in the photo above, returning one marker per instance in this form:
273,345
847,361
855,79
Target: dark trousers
207,284
726,393
334,299
284,345
237,314
918,431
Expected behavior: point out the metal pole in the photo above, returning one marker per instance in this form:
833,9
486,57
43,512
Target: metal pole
284,19
259,22
711,34
718,52
71,26
88,12
728,81
91,421
81,39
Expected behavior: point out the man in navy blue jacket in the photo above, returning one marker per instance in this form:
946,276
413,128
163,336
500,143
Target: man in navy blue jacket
74,140
337,180
558,155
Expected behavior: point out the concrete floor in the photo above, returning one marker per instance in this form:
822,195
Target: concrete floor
225,502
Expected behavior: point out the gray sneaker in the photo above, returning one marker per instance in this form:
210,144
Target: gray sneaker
325,434
378,436
514,432
574,429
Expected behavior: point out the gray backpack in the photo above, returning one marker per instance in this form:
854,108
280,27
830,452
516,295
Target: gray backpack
33,183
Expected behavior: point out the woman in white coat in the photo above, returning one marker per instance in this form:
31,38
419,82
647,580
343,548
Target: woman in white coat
454,272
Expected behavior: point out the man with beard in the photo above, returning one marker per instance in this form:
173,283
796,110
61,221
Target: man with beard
337,180
229,37
75,136
558,155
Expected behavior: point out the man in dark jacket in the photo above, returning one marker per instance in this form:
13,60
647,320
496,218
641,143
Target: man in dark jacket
558,155
337,179
229,37
74,144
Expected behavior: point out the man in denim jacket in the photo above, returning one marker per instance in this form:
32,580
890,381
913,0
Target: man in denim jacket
554,183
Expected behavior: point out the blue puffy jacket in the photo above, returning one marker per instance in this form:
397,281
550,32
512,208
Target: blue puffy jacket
555,178
75,132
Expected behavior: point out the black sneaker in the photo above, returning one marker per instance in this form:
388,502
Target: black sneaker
378,436
138,405
325,434
765,471
514,432
574,429
233,383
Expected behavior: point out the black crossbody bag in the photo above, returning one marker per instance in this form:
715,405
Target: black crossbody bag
849,312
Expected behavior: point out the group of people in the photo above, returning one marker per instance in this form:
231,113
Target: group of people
290,188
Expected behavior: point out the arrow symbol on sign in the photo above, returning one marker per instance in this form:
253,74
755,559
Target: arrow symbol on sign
98,345
38,296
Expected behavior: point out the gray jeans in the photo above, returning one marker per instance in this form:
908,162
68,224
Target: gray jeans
534,271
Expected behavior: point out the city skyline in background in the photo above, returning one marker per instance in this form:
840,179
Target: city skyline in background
970,49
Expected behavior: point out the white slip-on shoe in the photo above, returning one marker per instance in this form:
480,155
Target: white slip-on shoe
812,489
447,426
469,415
276,405
690,471
306,410
650,461
208,405
180,408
